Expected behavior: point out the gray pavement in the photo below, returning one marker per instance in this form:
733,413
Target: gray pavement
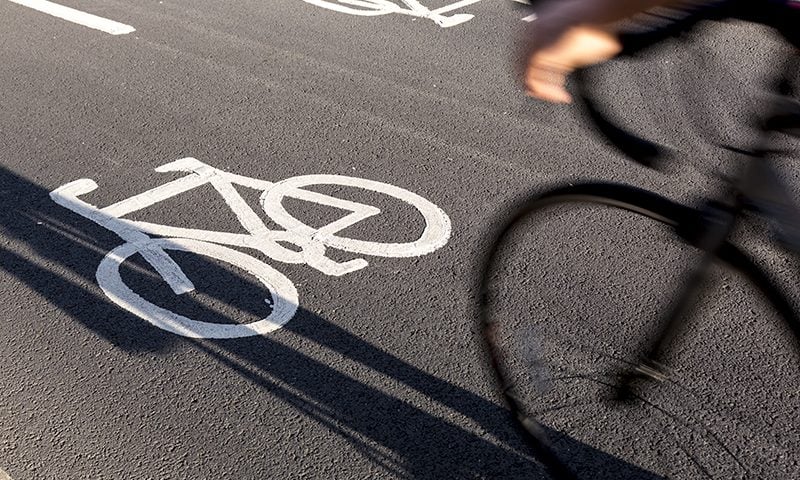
378,373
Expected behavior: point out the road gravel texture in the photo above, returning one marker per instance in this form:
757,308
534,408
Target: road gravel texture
379,373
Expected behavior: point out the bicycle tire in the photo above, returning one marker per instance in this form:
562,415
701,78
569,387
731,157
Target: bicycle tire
547,442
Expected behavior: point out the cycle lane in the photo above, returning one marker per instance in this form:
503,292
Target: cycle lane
260,130
80,432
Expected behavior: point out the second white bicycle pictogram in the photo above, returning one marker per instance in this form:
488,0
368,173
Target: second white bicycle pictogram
370,8
152,241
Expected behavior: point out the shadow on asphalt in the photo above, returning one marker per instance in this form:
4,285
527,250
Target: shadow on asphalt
62,251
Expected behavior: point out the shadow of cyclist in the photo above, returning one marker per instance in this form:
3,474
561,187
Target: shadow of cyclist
53,253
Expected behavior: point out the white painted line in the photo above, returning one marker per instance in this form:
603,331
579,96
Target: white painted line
76,16
419,10
4,475
455,6
413,8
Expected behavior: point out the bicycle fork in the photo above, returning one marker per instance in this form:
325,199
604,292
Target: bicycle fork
757,186
708,232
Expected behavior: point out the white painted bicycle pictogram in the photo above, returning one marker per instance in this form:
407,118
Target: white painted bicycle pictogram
414,8
152,241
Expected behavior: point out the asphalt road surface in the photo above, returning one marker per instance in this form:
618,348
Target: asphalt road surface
328,177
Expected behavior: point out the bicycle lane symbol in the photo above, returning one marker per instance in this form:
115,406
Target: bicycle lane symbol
413,8
152,241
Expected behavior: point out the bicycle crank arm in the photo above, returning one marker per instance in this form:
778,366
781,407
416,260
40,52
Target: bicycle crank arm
650,366
647,369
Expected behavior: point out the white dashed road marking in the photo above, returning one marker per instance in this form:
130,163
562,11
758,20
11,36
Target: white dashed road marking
76,16
4,475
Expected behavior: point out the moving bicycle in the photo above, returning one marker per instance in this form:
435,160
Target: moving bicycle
610,377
